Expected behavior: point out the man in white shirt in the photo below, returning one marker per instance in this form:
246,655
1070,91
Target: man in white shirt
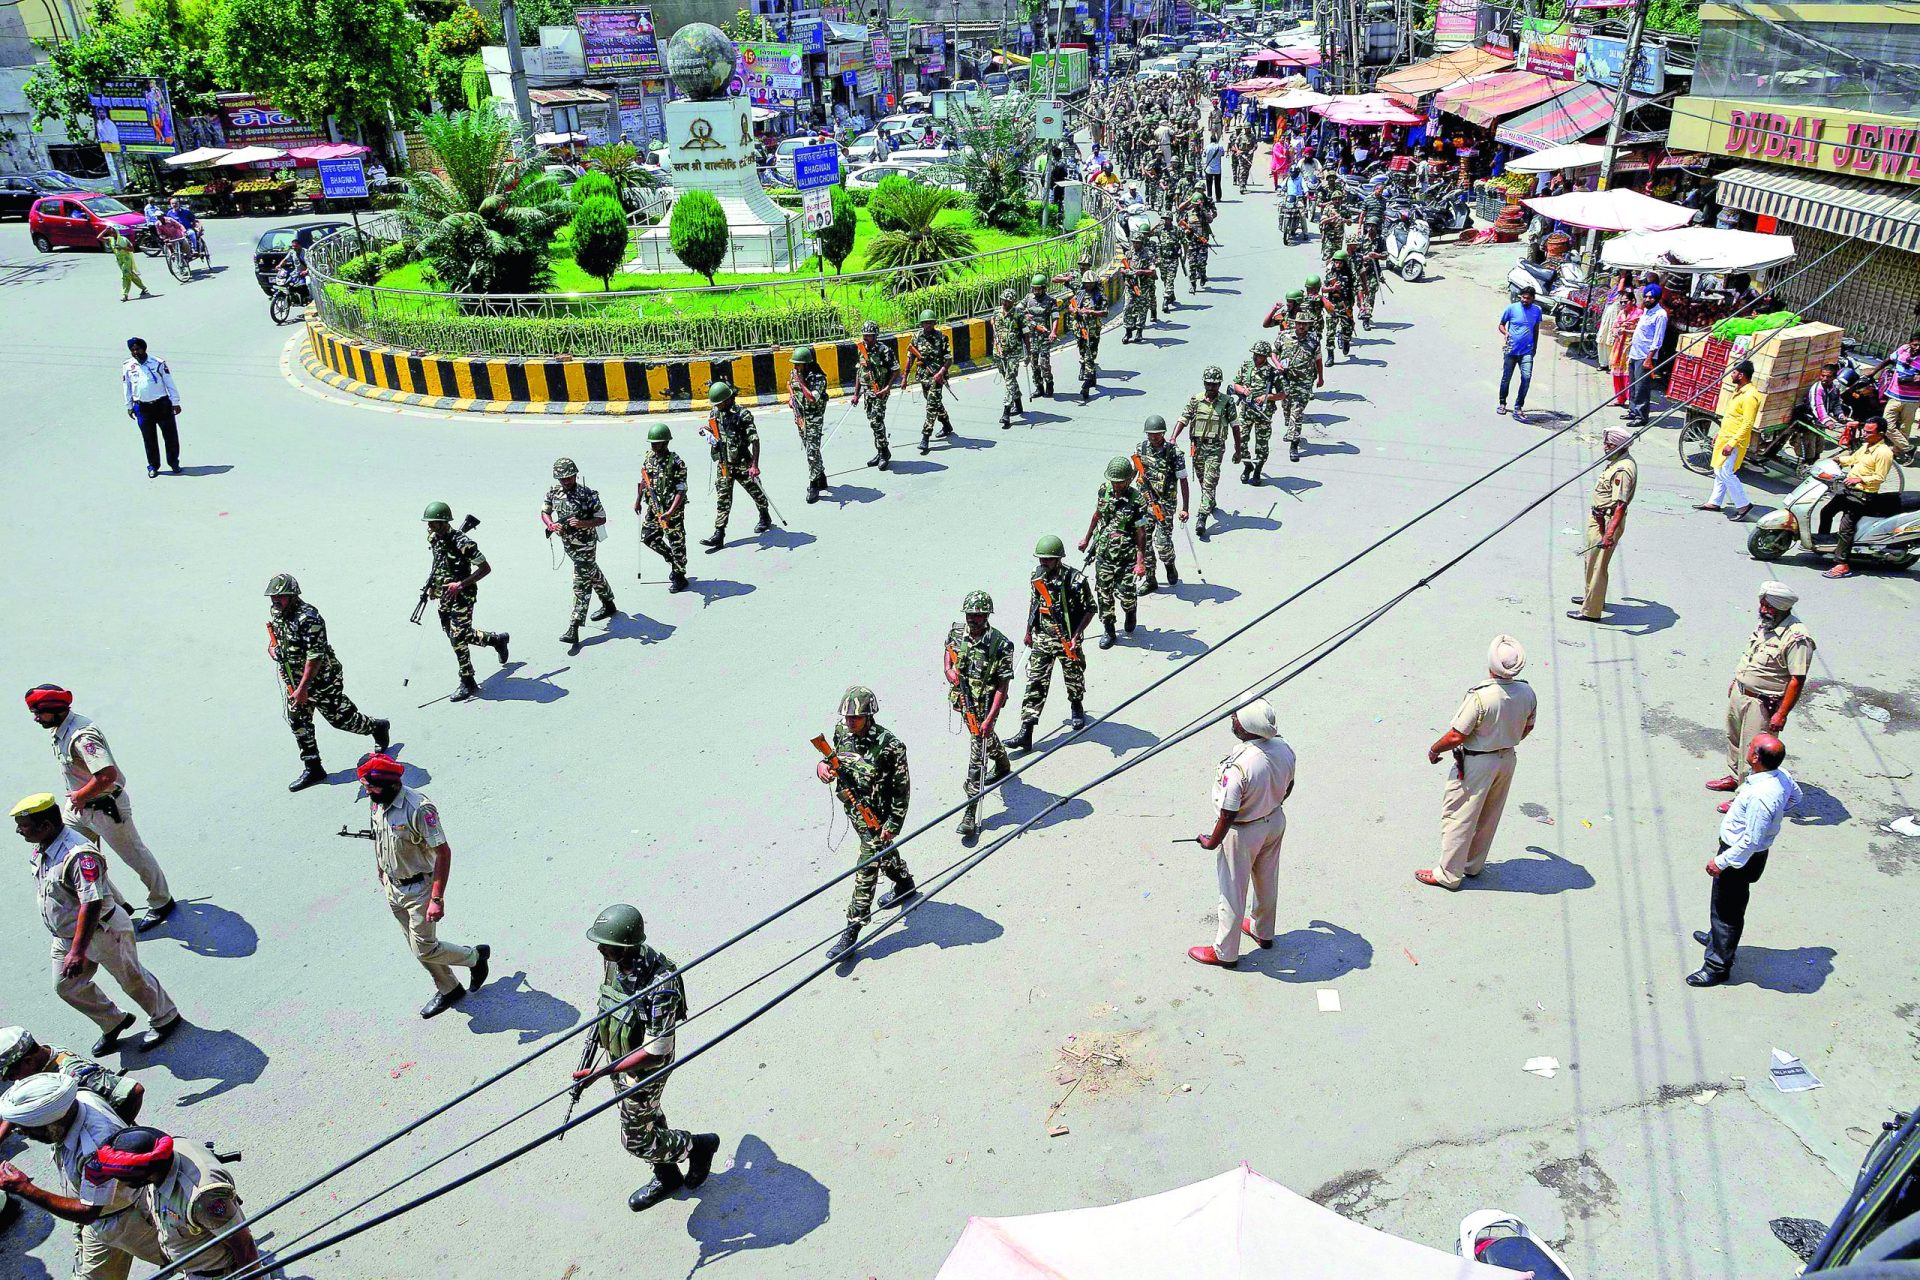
1643,353
1748,831
152,402
1255,780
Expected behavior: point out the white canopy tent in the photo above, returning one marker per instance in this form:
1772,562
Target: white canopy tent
1696,251
198,156
250,155
1238,1226
1575,155
558,139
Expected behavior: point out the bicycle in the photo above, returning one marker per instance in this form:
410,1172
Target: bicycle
180,254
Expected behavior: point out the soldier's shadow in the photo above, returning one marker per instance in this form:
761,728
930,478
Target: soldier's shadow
1175,644
757,1201
509,1004
712,589
846,494
629,626
1024,802
934,923
958,441
507,685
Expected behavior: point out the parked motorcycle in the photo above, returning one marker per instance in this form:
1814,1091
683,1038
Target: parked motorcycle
1499,1239
1408,238
1561,290
1891,538
1448,214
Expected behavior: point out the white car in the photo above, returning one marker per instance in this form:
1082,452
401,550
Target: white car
861,150
906,122
867,177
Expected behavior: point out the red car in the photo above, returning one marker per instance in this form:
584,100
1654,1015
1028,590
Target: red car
75,220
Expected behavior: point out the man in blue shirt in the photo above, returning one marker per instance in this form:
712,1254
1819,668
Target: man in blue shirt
1520,325
1747,832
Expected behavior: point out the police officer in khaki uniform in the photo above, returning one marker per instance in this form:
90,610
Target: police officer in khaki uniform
21,1056
97,804
184,1193
91,931
1254,781
415,862
1769,681
1490,723
1613,490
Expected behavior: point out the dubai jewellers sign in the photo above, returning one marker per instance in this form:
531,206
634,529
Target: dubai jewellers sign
1886,150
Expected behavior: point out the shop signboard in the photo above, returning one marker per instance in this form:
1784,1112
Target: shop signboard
1550,49
1601,58
1454,22
619,39
1851,142
251,120
816,208
882,51
847,57
866,82
1182,13
133,117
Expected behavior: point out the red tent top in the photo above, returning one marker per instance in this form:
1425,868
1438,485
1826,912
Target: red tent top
1258,83
1301,55
329,151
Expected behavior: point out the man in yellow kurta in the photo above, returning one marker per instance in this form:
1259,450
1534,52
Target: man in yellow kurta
1730,446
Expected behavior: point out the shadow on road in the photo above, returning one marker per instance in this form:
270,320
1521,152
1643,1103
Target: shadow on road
712,589
28,1228
912,467
1205,592
756,1202
1117,737
935,923
1321,952
847,494
1295,485
509,1004
635,626
1793,971
217,469
1230,522
507,685
1310,447
207,930
1025,801
781,539
1639,617
1818,807
226,1059
1175,644
1545,874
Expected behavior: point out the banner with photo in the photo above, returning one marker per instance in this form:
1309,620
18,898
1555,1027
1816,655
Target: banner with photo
619,39
133,117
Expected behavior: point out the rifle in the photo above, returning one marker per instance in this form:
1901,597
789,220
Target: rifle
365,833
977,760
420,606
845,792
588,1053
1066,621
1153,499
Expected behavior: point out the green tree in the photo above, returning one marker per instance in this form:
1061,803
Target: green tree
620,161
881,205
699,232
921,242
836,238
533,15
600,236
997,150
484,223
162,38
356,60
747,25
450,43
591,184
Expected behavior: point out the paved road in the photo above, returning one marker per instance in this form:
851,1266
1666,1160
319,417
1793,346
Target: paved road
667,763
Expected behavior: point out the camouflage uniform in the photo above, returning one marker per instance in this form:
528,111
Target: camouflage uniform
1170,257
730,439
646,1021
807,397
1366,279
1198,247
878,367
1333,235
1139,285
1261,380
1148,243
1038,312
932,354
874,767
1009,343
1339,308
1299,367
1316,313
1209,423
1052,630
1164,468
663,477
1116,518
582,545
1089,309
984,666
455,559
297,635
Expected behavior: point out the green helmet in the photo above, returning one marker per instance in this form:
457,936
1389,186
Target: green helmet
1313,283
437,511
926,317
283,584
1298,295
659,431
977,602
1340,255
871,326
1211,373
803,355
1156,425
719,393
1263,348
619,925
1008,295
564,467
859,700
1050,546
1038,282
1119,469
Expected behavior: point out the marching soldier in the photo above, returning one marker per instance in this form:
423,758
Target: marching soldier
1257,384
932,356
874,378
1136,274
184,1193
1169,264
735,446
1042,315
1118,532
1199,245
807,397
1314,307
1613,490
414,860
1158,465
1146,244
642,1000
1089,310
1338,304
1366,283
88,920
1209,416
21,1056
1298,364
660,500
1059,608
1009,341
1769,681
1333,233
867,768
574,512
97,804
978,665
453,582
313,678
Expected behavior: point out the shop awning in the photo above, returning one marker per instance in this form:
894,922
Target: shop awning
1568,116
1291,99
328,151
1304,55
566,97
197,156
1367,109
1877,212
1695,250
1615,209
251,155
1490,99
1575,155
1443,72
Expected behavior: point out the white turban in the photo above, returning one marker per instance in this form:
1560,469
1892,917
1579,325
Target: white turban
39,1101
1258,719
1505,657
1780,594
1618,438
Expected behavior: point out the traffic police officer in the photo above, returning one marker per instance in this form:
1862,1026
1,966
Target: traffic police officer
187,1196
1769,681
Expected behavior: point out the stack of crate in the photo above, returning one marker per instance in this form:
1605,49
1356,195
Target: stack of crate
1785,364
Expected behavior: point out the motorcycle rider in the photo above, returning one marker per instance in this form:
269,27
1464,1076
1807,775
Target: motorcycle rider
1867,469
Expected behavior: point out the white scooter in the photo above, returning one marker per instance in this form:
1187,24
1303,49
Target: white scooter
1407,240
1891,538
1499,1239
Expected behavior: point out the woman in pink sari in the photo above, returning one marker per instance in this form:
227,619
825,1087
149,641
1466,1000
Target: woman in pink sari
1281,159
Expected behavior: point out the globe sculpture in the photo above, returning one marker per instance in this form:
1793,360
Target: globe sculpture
700,61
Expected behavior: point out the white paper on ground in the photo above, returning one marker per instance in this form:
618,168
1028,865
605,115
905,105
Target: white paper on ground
1542,1067
1329,1000
1790,1075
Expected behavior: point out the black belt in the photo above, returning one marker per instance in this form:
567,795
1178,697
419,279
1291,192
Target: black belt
408,883
1496,751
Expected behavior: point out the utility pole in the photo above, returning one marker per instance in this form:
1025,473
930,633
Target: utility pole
1636,32
517,67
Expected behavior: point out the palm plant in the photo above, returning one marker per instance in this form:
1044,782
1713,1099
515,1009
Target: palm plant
918,242
620,161
484,219
996,153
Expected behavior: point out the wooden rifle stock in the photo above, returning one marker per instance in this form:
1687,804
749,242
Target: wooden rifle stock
1153,500
1066,623
846,793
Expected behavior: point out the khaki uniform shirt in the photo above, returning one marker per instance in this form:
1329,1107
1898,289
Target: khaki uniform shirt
1494,716
193,1203
82,751
94,1124
1254,779
69,871
1774,653
1616,484
405,834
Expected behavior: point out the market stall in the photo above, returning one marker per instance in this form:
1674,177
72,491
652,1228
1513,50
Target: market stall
1576,112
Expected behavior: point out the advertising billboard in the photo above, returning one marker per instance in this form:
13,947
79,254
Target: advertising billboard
133,117
251,120
1547,48
619,39
1601,58
1454,22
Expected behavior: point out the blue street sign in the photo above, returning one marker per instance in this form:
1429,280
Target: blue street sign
343,179
816,166
850,78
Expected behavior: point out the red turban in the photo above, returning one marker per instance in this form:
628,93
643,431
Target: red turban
382,766
46,695
110,1161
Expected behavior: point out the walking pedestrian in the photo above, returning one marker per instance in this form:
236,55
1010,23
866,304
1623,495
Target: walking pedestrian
1643,350
1747,834
1215,153
1613,491
153,402
1490,723
1730,445
1255,780
1520,326
1768,682
122,249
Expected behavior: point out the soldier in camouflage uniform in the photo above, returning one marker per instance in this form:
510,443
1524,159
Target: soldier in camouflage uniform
453,584
1136,274
1158,465
931,356
1257,384
1366,283
869,774
735,447
1338,296
1040,317
978,665
1199,245
1333,234
1089,309
1008,328
642,1000
1171,256
1209,416
1298,362
312,675
1146,252
1059,608
807,397
574,512
873,378
1118,533
1314,307
661,503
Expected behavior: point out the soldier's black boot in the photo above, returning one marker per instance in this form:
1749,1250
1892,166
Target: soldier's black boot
1019,406
1200,527
571,636
1023,740
1293,451
468,689
1130,614
700,1158
1173,575
714,543
764,523
946,426
605,611
842,945
902,891
876,459
886,460
813,493
1006,419
382,735
1079,717
679,581
1106,637
667,1179
312,774
500,639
